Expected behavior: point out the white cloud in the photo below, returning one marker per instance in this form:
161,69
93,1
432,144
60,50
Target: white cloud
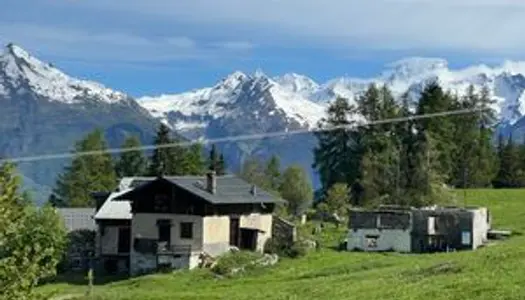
235,45
458,25
111,46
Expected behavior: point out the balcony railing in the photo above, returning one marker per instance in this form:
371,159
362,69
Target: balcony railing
163,248
153,246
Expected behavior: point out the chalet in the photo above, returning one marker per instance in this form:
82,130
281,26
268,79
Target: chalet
430,229
168,222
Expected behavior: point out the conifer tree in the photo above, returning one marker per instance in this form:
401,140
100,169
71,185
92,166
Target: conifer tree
216,161
162,161
221,165
337,155
86,173
440,129
195,162
131,163
214,157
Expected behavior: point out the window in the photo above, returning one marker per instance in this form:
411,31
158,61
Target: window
186,230
161,203
371,241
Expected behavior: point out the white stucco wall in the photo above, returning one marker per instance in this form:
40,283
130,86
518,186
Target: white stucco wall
388,239
144,225
216,235
262,222
480,227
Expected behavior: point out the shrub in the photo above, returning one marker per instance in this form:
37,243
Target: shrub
230,262
298,249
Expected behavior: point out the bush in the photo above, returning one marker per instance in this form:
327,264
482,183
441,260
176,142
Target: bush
229,263
294,250
298,249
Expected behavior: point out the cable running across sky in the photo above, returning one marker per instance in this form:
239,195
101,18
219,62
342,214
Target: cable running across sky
238,138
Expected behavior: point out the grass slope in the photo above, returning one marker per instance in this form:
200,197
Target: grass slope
494,272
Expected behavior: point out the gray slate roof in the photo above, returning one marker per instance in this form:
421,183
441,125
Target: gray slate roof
115,210
230,190
78,218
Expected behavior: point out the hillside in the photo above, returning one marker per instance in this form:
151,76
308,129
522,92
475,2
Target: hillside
495,272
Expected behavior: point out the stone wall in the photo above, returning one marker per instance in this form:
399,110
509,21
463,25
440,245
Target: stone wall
283,230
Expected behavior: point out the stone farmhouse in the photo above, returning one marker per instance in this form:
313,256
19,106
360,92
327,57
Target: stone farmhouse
430,229
152,223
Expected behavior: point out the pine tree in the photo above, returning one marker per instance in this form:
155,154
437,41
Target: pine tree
173,160
216,161
337,155
161,162
131,163
214,157
221,165
440,129
87,173
379,144
273,173
509,174
195,162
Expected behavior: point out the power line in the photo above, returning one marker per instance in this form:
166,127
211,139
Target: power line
237,138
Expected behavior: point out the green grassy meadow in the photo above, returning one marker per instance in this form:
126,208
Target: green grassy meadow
493,272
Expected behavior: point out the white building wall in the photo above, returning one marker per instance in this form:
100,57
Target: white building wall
263,222
480,227
387,239
144,225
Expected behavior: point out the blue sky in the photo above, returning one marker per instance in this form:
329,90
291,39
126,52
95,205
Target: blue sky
149,47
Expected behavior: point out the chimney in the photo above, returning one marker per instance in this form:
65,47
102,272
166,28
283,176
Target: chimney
211,182
253,191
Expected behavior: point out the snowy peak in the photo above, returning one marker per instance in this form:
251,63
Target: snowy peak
233,80
296,83
20,72
414,67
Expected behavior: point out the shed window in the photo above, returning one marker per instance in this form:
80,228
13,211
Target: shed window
371,241
186,230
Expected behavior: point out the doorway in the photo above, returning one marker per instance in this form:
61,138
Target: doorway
234,232
248,239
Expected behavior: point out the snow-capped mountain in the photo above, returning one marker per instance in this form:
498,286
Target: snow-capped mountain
241,104
298,98
45,111
255,96
21,68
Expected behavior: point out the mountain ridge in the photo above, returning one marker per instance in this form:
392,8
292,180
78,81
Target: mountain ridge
39,100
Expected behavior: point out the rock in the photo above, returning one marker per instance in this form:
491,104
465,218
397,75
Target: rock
268,260
233,249
309,244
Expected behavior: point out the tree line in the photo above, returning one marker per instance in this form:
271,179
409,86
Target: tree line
410,162
101,171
